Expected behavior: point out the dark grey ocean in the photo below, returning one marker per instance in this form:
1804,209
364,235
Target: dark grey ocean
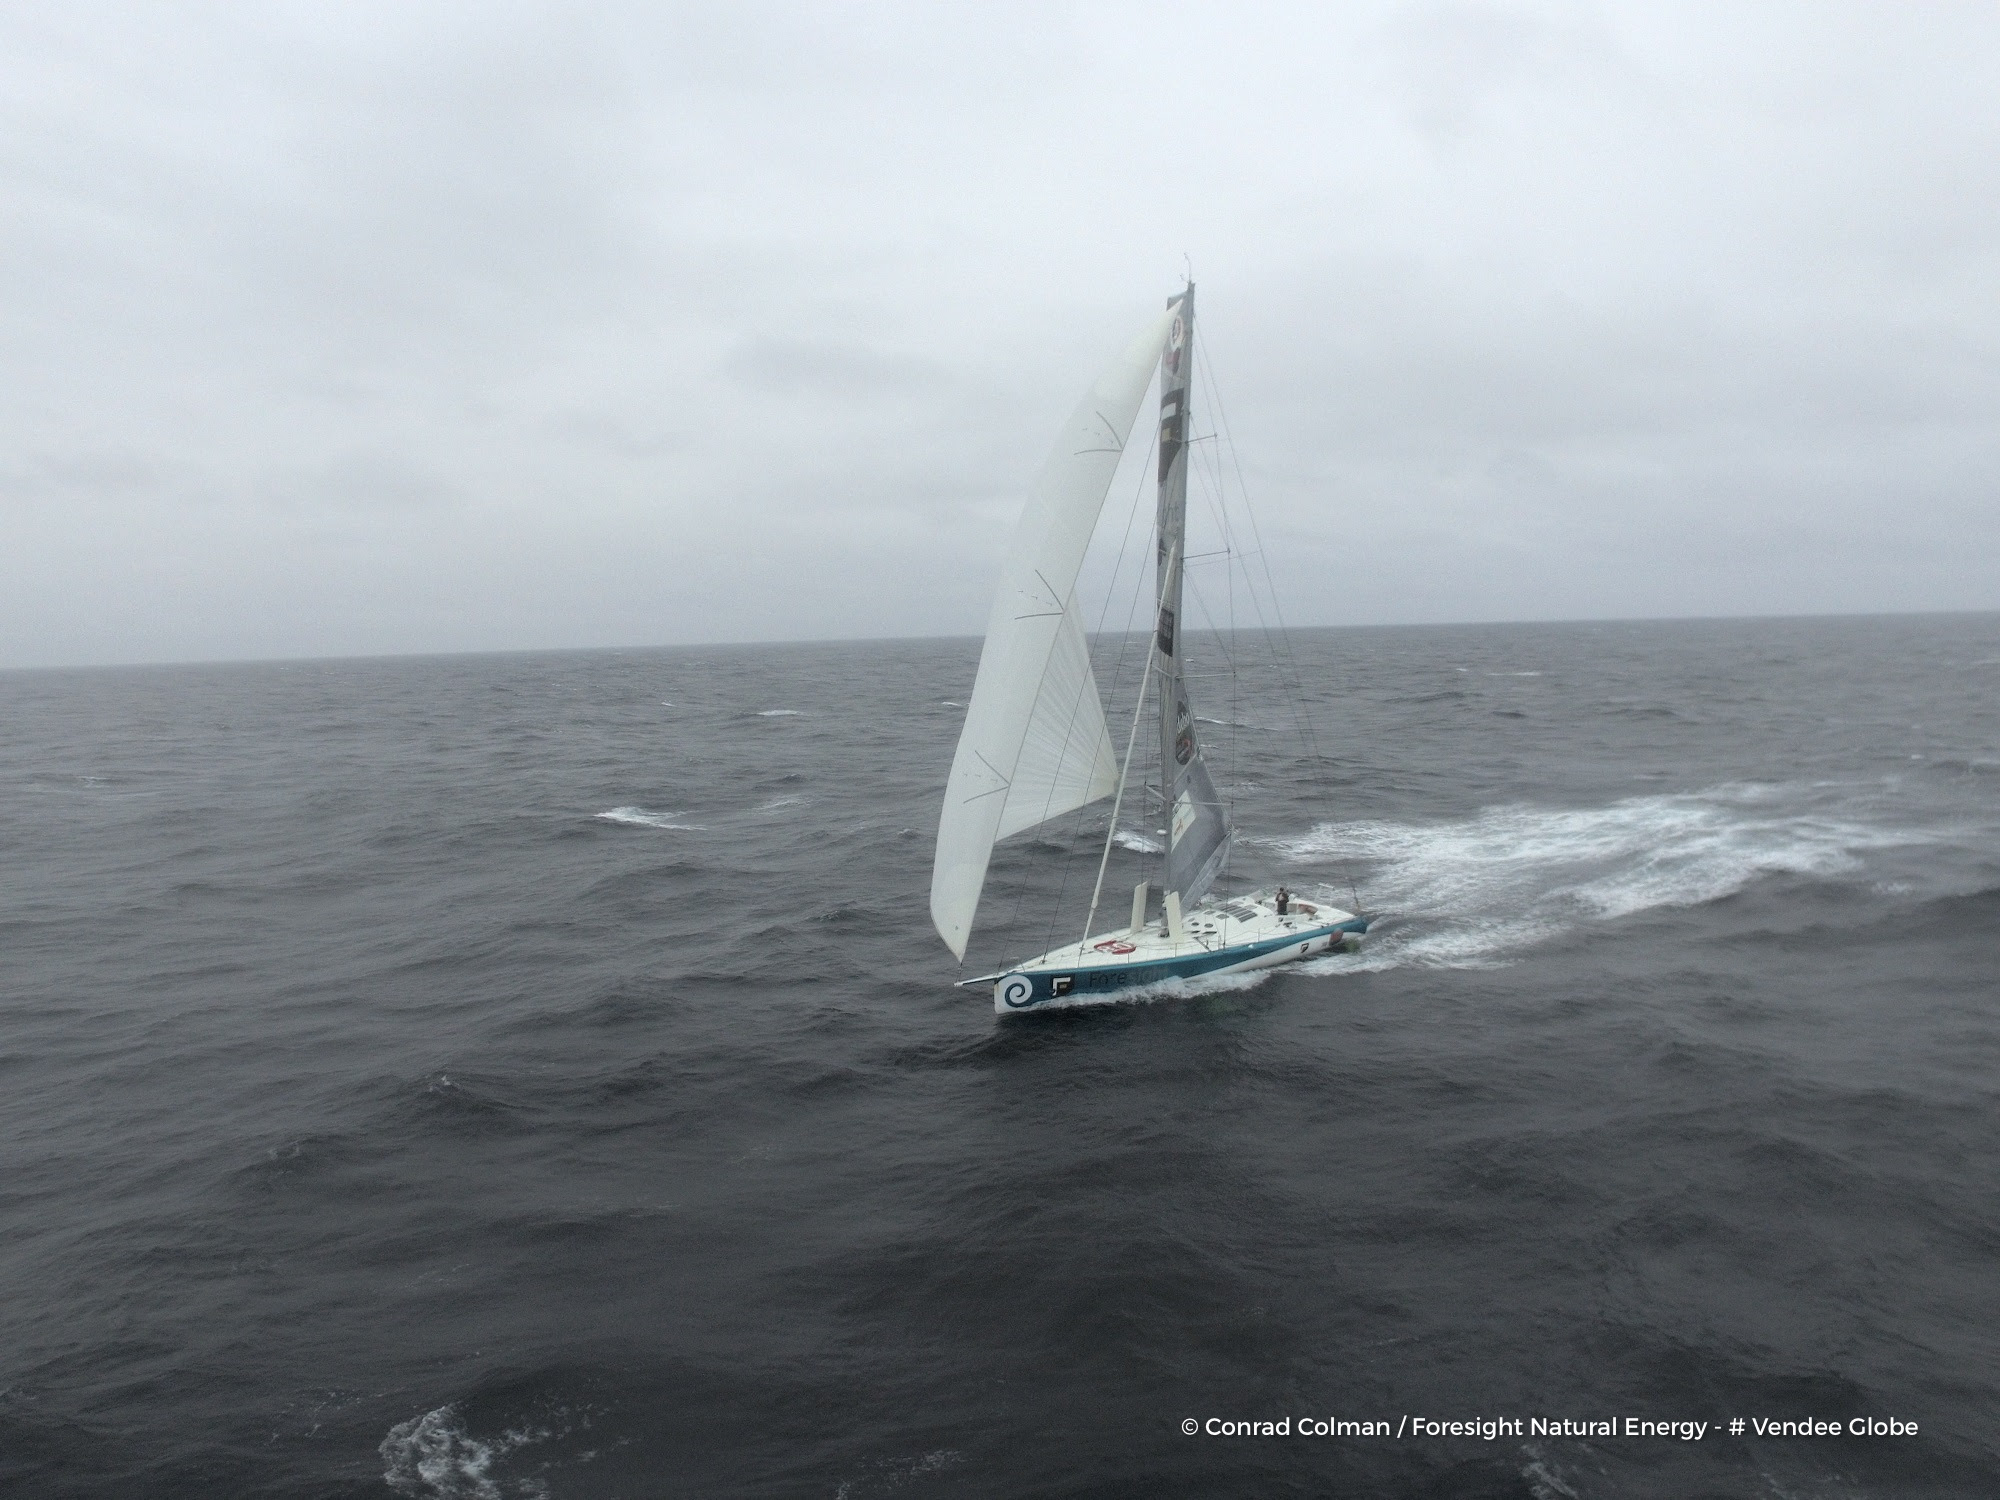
536,1076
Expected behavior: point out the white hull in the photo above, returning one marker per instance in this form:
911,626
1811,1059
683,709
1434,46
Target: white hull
1216,938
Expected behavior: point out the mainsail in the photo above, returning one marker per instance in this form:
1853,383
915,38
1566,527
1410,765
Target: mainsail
1198,832
1034,744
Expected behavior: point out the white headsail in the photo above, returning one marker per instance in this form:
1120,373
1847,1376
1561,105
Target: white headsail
1034,744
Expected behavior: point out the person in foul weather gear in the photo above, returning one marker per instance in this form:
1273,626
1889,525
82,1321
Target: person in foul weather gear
1284,900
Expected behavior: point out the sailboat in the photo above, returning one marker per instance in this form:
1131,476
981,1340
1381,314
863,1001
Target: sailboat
1036,744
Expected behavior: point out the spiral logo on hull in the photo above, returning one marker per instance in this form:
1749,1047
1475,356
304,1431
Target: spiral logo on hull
1017,991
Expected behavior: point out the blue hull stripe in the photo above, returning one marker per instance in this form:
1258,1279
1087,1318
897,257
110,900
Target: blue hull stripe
1100,978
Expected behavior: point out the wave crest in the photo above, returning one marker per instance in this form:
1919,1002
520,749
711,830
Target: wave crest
639,817
434,1454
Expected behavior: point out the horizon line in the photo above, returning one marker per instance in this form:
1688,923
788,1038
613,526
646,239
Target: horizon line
861,640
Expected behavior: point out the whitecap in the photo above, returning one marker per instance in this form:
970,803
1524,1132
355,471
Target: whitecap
779,713
639,817
434,1455
1544,1478
1138,843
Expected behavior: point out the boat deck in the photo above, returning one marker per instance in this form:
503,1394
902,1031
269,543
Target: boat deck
1217,937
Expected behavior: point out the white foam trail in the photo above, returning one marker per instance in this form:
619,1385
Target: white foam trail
779,713
1466,894
1470,944
1138,843
639,817
780,802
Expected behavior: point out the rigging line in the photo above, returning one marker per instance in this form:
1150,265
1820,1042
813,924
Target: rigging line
1076,702
1118,675
1088,684
1290,656
1223,647
1282,659
1118,564
1062,755
1235,679
1210,491
1126,639
1214,496
1224,650
1217,494
1111,823
1207,465
1214,489
1124,773
1207,462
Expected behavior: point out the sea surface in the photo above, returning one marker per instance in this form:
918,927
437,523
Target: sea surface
537,1076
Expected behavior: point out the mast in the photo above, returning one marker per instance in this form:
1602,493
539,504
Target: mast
1198,831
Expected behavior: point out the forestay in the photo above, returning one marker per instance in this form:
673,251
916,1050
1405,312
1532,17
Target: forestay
1034,744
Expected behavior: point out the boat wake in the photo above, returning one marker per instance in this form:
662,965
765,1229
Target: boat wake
1471,893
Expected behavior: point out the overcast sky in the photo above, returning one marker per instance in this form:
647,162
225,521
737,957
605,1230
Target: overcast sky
343,329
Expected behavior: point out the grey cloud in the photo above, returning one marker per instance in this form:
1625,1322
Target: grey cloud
826,369
420,328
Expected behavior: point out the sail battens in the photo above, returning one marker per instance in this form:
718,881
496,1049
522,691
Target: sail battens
1036,719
